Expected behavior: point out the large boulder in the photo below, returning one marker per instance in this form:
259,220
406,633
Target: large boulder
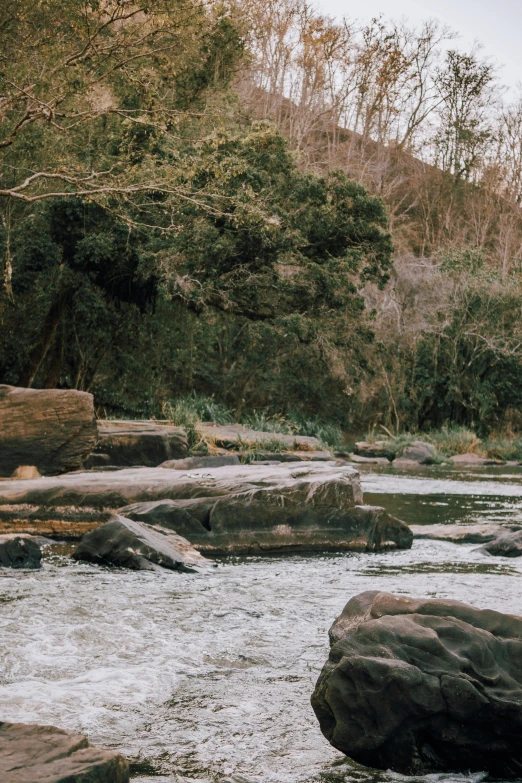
19,552
237,508
419,451
45,754
505,545
52,429
123,542
147,443
421,686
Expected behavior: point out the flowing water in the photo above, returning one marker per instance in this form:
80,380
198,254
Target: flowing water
208,677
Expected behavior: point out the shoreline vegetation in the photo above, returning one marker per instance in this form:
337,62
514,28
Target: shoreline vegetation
194,409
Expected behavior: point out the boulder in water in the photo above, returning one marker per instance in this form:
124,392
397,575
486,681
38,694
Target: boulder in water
19,552
52,429
505,545
45,754
422,686
129,544
420,452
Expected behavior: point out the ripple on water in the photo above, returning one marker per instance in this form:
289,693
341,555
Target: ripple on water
208,677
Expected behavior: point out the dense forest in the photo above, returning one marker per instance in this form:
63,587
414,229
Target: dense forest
260,207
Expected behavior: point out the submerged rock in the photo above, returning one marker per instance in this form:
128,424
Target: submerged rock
462,534
45,754
505,545
52,429
421,686
19,552
129,544
147,443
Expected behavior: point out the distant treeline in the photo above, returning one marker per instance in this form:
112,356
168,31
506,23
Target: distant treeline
262,205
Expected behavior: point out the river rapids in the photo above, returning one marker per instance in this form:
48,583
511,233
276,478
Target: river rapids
207,678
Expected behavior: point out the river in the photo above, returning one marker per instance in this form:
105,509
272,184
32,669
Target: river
207,677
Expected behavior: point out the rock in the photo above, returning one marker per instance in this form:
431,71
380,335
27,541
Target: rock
402,462
250,508
308,516
368,460
52,429
25,472
473,460
232,435
45,754
419,451
146,443
19,552
505,545
462,534
129,544
423,686
380,449
97,460
193,463
287,456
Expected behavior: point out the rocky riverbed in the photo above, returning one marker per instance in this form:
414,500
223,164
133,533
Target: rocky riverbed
207,677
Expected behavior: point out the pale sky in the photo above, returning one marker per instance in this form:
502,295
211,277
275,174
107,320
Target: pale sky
497,24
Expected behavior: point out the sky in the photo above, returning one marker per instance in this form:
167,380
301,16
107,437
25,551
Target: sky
497,24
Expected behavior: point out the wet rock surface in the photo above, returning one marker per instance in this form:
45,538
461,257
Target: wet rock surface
422,686
129,544
463,534
51,429
379,449
193,463
505,545
19,552
45,754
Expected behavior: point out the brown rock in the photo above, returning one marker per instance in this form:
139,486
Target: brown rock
232,435
147,443
473,460
26,472
52,429
237,508
45,754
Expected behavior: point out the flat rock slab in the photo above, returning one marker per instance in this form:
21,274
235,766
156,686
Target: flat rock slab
51,429
193,463
147,443
19,552
505,545
232,435
462,534
423,686
128,544
474,460
231,509
358,460
45,754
